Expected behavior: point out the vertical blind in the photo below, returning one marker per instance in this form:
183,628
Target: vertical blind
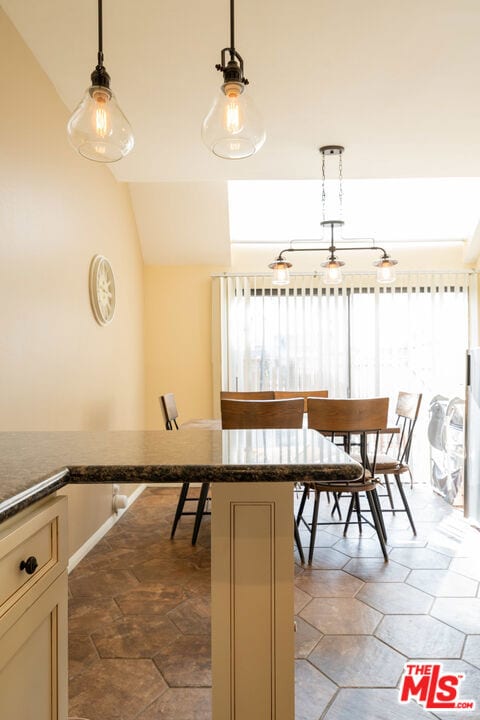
357,340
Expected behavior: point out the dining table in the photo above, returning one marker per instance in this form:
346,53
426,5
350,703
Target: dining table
252,475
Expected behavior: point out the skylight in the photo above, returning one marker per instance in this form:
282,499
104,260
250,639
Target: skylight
389,210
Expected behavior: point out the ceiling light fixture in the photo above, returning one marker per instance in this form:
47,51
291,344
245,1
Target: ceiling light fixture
233,128
333,266
98,129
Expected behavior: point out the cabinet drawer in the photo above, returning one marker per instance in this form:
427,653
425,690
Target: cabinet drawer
39,533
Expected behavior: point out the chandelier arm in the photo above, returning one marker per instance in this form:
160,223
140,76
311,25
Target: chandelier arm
331,248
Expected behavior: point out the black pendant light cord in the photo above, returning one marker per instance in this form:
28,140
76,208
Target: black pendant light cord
232,29
100,76
100,33
233,70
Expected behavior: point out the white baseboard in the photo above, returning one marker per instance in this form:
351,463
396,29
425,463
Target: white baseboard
102,530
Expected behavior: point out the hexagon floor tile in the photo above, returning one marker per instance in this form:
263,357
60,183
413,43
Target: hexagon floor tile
468,690
376,570
395,598
418,636
443,583
373,704
460,613
155,605
471,651
328,583
341,616
313,691
358,661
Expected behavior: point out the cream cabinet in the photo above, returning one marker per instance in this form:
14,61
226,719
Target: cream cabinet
33,613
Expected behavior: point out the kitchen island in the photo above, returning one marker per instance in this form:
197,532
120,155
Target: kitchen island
252,473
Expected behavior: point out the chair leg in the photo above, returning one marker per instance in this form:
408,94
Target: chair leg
356,499
179,510
302,505
298,542
405,502
376,522
376,502
349,515
200,508
336,505
313,532
389,492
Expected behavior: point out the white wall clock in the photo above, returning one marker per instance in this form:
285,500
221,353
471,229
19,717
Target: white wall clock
102,290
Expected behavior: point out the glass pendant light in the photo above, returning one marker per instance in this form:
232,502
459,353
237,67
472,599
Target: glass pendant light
333,271
98,129
386,269
233,128
281,273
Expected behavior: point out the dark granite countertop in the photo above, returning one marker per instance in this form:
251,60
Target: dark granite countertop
35,464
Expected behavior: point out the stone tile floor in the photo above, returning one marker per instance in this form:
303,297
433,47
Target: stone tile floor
140,616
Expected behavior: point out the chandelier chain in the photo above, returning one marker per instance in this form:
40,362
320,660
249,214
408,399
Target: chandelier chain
324,197
340,186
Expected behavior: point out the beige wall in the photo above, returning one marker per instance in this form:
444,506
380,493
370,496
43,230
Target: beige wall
178,340
59,368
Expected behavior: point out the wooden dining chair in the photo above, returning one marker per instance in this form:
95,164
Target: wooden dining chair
170,415
284,394
395,460
265,414
362,420
261,414
247,395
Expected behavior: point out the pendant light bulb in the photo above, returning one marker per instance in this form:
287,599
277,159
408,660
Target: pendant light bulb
233,128
332,271
98,129
281,271
386,270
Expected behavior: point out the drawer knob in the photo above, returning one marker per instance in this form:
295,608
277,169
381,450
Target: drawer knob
29,565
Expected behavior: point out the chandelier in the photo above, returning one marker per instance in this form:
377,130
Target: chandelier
332,274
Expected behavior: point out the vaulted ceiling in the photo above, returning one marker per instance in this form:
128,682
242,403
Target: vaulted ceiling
395,82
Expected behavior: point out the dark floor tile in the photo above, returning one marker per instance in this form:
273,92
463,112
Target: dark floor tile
186,661
341,616
193,617
180,704
376,570
395,598
328,583
151,600
373,704
306,637
114,689
358,661
81,654
112,582
85,615
421,636
135,636
313,691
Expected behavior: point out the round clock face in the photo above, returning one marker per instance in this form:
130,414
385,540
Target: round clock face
102,289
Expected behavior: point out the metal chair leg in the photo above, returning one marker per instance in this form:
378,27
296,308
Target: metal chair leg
298,542
200,508
389,493
314,526
405,502
179,510
377,524
302,505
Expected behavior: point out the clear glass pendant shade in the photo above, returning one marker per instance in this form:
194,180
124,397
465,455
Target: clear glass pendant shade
386,270
98,129
233,128
332,274
281,272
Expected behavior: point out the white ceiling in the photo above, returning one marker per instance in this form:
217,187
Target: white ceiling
395,82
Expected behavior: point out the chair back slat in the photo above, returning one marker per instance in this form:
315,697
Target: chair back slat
246,395
286,394
169,410
258,414
408,405
328,415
